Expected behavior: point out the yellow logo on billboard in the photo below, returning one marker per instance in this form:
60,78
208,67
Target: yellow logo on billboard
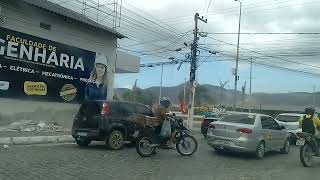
35,88
68,92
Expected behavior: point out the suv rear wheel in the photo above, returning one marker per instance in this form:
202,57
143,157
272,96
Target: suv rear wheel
115,140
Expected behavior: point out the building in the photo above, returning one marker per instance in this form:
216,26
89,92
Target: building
47,53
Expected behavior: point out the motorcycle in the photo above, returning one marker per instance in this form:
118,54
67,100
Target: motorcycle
149,140
309,148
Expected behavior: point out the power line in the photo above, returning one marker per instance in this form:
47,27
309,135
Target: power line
216,11
248,12
206,12
246,60
139,31
131,22
271,33
256,52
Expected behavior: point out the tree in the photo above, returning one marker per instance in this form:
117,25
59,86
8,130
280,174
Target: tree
138,95
201,97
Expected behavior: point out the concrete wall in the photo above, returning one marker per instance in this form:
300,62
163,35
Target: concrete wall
26,19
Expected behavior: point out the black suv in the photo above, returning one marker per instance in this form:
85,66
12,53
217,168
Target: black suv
111,121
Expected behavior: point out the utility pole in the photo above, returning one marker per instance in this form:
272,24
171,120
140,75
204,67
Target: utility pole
236,77
160,93
222,85
184,91
243,94
250,85
193,68
314,96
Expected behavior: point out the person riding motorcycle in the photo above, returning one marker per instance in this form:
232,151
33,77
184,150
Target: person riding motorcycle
161,113
310,123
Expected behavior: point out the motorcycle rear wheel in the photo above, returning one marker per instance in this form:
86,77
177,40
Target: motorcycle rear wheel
186,143
143,146
306,155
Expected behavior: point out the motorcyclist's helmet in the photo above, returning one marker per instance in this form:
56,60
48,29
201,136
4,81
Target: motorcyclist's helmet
165,102
309,110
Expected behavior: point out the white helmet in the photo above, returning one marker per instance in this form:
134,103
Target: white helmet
101,59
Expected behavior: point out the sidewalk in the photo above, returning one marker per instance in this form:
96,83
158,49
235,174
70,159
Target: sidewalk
42,137
23,138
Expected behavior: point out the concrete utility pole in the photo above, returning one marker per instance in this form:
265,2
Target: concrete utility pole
250,85
184,90
236,77
243,94
160,93
193,68
222,85
314,96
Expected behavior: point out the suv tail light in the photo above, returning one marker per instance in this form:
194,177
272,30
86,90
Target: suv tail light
211,126
105,109
245,130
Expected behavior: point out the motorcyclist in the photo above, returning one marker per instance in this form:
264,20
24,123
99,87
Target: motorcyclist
310,123
161,114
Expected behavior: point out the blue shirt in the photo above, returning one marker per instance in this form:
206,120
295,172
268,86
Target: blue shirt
94,92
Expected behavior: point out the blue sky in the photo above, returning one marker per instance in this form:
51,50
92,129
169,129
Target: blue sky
156,28
264,79
259,16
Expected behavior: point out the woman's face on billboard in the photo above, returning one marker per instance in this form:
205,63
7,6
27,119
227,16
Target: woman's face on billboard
101,70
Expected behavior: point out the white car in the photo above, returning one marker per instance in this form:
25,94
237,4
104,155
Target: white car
291,122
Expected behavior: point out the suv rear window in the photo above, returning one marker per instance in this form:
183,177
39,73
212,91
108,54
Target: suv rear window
117,108
143,110
90,108
288,118
239,118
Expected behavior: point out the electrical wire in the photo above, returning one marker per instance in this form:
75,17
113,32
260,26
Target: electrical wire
256,52
271,65
145,33
246,12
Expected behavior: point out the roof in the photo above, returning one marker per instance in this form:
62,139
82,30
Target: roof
290,114
65,12
243,113
278,107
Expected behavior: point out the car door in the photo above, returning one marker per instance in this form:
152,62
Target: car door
277,135
266,132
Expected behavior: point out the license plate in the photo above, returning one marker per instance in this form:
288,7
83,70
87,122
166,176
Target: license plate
222,142
82,133
135,134
300,142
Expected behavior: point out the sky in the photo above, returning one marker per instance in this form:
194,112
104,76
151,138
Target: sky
281,62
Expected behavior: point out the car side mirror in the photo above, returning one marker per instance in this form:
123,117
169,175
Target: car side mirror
282,127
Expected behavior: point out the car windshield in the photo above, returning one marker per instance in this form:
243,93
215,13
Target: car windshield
239,118
288,118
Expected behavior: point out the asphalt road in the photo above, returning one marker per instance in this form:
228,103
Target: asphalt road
68,161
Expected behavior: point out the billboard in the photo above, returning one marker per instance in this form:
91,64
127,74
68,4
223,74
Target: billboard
39,69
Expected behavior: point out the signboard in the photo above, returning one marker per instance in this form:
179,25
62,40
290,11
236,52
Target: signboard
40,69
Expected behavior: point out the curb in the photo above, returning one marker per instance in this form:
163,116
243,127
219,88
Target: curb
36,140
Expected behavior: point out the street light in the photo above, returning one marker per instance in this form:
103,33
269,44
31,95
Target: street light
237,61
